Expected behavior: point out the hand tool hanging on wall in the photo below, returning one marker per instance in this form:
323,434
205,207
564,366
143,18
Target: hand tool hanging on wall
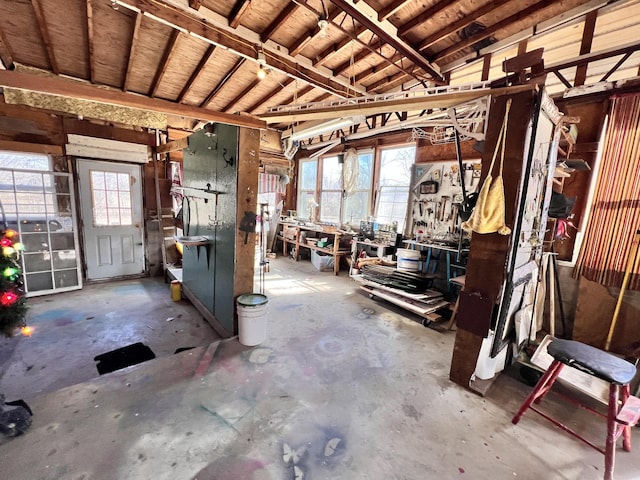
468,201
248,224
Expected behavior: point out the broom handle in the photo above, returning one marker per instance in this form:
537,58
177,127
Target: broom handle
631,265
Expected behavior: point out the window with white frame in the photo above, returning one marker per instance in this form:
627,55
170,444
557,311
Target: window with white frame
358,182
338,187
331,190
394,183
307,184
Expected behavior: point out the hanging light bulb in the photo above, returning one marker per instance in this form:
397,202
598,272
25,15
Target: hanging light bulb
27,331
262,62
8,251
323,26
6,242
10,233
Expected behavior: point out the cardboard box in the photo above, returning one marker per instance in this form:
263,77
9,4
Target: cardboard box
321,261
290,232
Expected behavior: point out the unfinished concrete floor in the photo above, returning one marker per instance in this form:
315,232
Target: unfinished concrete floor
71,328
343,388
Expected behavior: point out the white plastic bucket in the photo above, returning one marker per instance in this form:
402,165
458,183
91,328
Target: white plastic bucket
252,318
408,259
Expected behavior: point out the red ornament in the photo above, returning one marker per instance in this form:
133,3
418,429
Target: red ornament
6,242
8,298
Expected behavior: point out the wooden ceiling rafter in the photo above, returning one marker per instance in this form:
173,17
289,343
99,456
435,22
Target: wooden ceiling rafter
390,9
184,20
592,57
240,96
5,52
90,47
493,29
328,53
239,9
299,44
284,15
135,34
585,46
429,13
63,87
169,51
196,73
222,83
44,34
459,24
381,32
269,95
351,35
362,76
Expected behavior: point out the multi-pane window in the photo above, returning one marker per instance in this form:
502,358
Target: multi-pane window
358,181
331,190
340,187
111,197
307,183
393,187
37,203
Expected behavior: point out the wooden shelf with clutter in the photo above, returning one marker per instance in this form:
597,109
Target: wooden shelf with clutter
321,240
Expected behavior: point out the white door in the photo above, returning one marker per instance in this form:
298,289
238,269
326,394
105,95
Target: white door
111,208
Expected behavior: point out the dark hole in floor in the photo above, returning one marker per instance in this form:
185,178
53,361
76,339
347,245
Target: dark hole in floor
123,357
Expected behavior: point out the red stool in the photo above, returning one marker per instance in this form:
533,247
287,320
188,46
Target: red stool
623,410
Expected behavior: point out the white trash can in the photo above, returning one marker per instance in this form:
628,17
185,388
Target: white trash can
252,318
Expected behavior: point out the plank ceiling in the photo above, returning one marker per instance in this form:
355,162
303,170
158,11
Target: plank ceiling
204,53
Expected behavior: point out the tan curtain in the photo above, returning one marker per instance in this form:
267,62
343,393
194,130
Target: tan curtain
615,215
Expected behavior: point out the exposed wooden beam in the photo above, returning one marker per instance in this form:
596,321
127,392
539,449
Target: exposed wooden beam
185,19
408,104
592,57
44,33
299,44
496,27
370,72
284,15
132,50
459,24
5,52
194,75
269,95
297,95
585,46
67,88
222,83
390,9
424,16
172,146
195,4
344,66
239,97
486,67
164,62
31,147
326,55
239,9
612,70
386,82
414,56
91,56
296,47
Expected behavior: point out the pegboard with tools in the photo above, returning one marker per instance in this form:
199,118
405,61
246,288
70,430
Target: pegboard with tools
436,192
